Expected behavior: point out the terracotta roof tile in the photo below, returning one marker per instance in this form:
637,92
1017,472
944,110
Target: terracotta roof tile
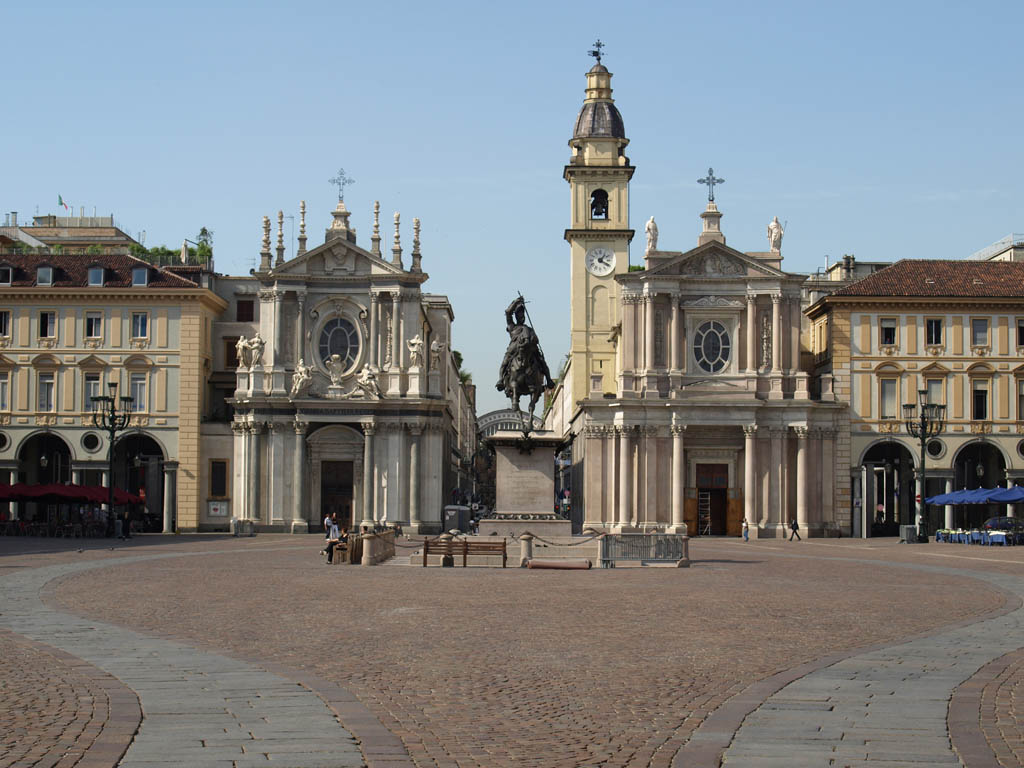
72,271
952,279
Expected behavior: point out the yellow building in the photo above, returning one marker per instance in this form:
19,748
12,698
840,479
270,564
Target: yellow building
952,328
72,325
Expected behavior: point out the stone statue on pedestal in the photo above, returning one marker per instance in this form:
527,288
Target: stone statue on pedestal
242,353
652,236
415,345
436,348
256,345
301,379
775,233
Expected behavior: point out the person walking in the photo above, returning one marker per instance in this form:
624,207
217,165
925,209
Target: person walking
795,528
746,530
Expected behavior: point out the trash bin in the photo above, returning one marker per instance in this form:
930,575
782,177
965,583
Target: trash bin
908,534
118,528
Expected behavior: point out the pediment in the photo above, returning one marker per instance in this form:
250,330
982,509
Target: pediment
714,260
888,368
91,361
715,301
336,258
981,368
936,369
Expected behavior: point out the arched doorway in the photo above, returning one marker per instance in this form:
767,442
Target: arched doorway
138,468
44,458
889,491
978,464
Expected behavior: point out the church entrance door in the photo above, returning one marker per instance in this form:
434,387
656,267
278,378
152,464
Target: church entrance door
336,491
712,495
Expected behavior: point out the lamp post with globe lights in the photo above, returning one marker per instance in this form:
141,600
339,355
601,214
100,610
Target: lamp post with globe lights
108,417
924,421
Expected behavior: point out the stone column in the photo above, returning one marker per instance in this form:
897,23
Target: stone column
649,332
300,515
170,489
828,478
625,476
867,500
776,514
794,335
396,327
949,507
650,476
776,333
369,428
255,480
278,327
627,343
675,346
678,479
415,430
374,341
801,478
749,478
300,329
751,336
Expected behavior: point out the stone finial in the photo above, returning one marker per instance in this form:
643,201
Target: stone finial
340,227
396,249
375,239
302,227
280,239
712,226
265,250
416,258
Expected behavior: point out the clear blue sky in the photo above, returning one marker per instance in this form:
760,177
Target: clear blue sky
886,130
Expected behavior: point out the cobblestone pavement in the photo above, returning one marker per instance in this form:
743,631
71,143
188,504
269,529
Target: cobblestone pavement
201,709
889,706
482,667
1002,707
54,705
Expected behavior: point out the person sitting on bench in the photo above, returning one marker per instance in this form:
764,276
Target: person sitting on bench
335,538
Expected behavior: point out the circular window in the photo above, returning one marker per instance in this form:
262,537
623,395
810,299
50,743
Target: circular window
936,448
339,337
711,346
91,441
1020,448
5,441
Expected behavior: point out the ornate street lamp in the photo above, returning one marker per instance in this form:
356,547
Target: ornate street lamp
924,423
108,417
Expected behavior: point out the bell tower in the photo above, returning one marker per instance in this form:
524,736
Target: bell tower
599,235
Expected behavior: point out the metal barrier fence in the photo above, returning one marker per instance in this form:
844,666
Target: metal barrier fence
645,548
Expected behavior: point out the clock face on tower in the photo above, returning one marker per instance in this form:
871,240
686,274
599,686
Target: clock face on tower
600,261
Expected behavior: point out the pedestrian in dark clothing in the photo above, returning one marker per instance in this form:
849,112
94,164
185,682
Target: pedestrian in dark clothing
795,528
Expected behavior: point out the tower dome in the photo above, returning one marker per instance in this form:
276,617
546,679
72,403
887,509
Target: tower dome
599,117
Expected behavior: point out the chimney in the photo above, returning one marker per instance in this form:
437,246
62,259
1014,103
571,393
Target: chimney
14,218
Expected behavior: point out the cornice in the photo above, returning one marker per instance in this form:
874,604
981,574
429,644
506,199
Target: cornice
598,234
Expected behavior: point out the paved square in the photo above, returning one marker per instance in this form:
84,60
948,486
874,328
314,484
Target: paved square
400,665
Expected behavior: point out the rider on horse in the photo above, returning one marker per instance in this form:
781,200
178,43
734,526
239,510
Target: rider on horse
524,370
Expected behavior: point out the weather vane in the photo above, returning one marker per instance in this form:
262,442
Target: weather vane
710,180
596,53
342,180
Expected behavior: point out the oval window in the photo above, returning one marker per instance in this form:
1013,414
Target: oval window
339,337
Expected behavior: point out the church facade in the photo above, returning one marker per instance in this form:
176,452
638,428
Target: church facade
686,398
337,389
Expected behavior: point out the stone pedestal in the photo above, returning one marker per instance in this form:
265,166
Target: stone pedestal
335,391
415,382
525,487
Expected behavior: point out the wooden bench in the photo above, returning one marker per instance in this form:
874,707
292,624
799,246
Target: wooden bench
465,547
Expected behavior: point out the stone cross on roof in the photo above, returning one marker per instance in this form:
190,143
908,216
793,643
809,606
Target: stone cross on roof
710,180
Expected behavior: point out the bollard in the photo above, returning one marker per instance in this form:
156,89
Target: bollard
526,550
368,541
447,560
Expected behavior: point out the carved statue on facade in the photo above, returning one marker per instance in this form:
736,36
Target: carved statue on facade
415,345
436,348
775,233
242,353
335,368
256,345
652,235
301,379
366,384
523,370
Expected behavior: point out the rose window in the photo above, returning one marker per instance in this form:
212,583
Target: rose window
711,346
339,337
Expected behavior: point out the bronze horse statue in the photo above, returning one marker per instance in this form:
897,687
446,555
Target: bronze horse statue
523,370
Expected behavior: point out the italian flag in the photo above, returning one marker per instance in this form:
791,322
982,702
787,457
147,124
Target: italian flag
60,201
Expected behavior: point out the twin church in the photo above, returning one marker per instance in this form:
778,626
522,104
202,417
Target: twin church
684,398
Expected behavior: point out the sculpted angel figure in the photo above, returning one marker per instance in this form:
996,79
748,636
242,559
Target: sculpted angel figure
256,345
242,352
301,379
366,384
415,345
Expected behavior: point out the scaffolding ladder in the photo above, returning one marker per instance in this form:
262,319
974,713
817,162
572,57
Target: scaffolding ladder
704,513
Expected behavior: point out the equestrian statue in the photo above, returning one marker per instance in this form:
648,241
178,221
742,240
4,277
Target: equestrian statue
524,371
